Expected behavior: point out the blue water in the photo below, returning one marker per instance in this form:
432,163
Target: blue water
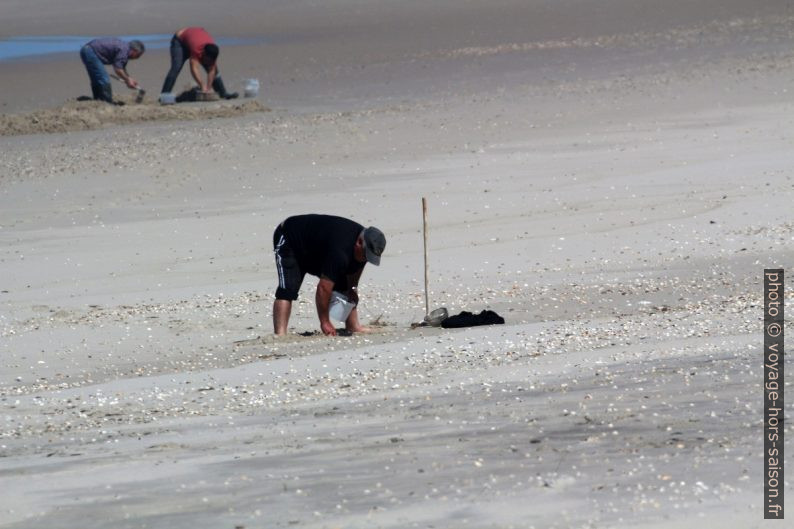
30,47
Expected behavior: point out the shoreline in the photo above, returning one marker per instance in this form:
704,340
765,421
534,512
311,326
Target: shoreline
152,42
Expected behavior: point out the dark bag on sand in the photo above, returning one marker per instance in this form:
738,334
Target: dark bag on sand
467,319
188,96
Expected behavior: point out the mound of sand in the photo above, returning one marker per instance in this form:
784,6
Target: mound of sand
85,115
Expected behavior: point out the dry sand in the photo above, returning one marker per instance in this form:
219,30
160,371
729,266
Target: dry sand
612,181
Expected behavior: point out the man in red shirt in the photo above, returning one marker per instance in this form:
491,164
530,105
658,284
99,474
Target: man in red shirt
196,45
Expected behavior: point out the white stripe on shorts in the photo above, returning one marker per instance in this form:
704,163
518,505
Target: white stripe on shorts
279,266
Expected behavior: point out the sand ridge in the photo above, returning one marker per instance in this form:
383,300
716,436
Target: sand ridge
87,115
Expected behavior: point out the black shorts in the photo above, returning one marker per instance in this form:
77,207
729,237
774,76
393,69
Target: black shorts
290,275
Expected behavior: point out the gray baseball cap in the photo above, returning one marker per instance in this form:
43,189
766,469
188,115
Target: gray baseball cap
374,244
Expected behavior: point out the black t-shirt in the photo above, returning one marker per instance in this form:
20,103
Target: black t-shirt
323,246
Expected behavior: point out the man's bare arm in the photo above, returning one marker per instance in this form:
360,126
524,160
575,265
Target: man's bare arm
124,76
352,282
195,71
211,74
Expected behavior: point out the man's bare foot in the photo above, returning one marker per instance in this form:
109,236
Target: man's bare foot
360,329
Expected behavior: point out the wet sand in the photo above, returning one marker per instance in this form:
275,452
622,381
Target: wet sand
613,183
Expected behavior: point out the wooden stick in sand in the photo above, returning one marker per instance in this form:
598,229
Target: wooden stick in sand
427,272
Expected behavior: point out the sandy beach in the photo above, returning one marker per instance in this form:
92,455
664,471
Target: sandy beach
611,177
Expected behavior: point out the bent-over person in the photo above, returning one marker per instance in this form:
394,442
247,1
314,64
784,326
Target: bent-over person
99,52
197,46
335,249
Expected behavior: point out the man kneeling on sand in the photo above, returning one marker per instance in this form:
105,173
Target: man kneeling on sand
332,248
196,45
99,52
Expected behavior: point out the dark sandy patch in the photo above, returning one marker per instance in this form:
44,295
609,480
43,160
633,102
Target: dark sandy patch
87,115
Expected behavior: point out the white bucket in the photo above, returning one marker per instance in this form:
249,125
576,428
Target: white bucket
167,98
251,87
340,307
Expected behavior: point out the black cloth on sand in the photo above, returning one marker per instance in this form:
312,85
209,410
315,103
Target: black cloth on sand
467,319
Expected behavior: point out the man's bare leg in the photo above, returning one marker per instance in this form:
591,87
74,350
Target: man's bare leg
281,310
